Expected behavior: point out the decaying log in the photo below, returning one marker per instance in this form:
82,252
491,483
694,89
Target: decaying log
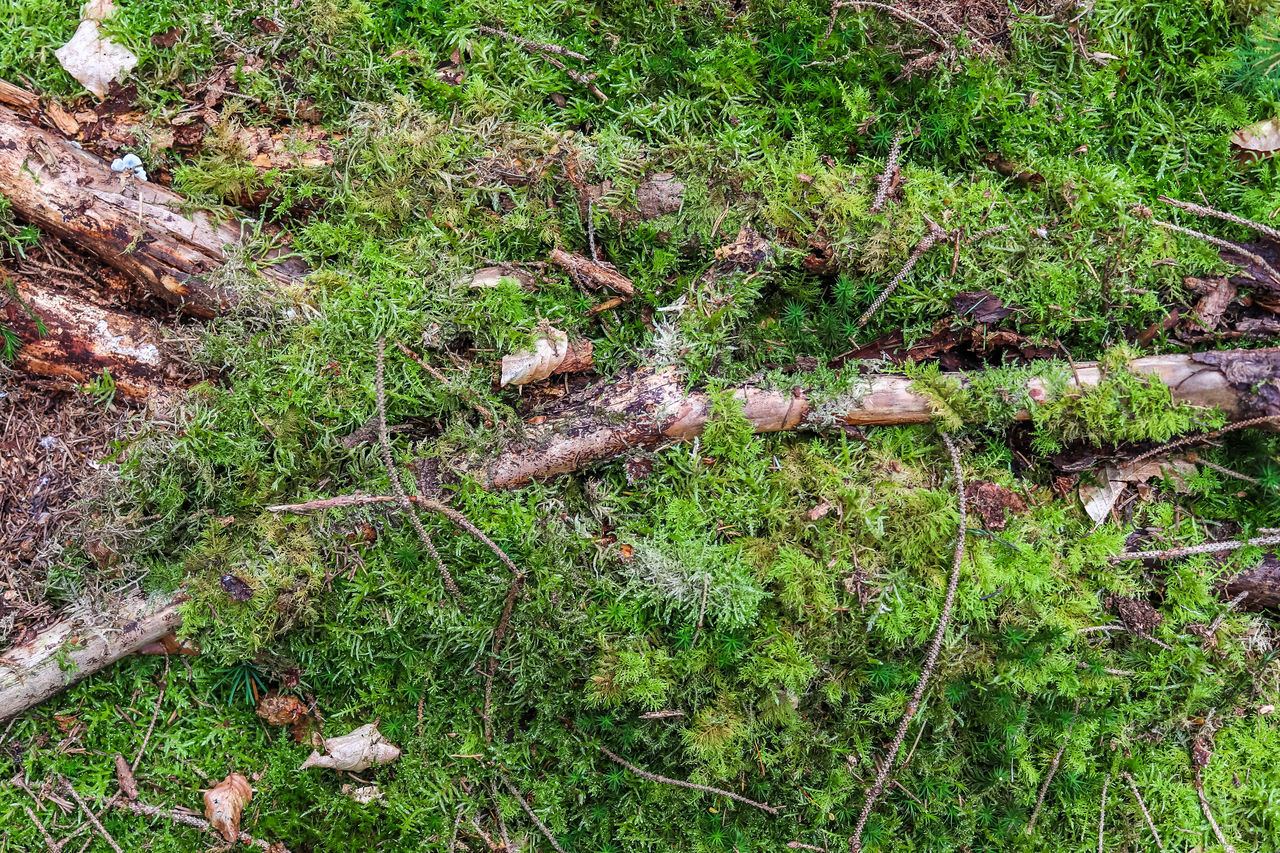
646,409
1262,582
68,339
133,225
79,644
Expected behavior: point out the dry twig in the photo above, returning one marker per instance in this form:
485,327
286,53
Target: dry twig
498,636
892,10
462,391
1102,812
54,847
549,52
886,177
935,235
1142,805
88,812
397,487
1204,548
1053,769
529,811
193,821
1208,813
930,659
1202,210
1204,436
1222,244
654,777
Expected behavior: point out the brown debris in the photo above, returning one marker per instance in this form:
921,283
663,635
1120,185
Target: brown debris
1137,614
659,195
592,275
748,251
994,503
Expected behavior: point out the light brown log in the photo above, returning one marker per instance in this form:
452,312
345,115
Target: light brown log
135,226
68,339
79,644
646,409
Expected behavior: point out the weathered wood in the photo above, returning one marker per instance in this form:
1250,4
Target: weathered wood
1262,582
646,408
68,339
79,644
133,225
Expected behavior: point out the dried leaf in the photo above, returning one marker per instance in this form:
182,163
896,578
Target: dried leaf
659,195
747,251
224,803
124,778
1257,141
282,710
363,795
356,751
94,61
1098,499
236,588
490,277
981,306
993,503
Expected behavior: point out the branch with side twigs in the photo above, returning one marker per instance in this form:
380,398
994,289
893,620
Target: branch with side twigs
548,53
707,789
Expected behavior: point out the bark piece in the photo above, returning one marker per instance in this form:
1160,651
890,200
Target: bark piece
993,504
73,341
134,226
553,352
659,195
648,408
79,644
1210,307
593,275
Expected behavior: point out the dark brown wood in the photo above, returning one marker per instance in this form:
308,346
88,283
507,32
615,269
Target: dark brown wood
647,408
1262,582
140,228
68,339
593,275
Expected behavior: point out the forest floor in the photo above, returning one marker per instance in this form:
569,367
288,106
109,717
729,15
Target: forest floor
746,613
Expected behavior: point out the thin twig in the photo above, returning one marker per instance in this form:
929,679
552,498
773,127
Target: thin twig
886,177
1204,436
457,822
892,10
1102,812
985,233
497,813
654,777
88,812
1202,210
529,811
1225,471
1142,805
498,636
1208,813
702,608
531,46
1205,548
931,657
1053,769
935,234
462,391
155,715
1223,244
191,820
54,847
800,845
397,487
1231,605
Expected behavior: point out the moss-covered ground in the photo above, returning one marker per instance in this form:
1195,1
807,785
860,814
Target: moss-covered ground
822,558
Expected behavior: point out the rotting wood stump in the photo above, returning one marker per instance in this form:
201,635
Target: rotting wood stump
135,226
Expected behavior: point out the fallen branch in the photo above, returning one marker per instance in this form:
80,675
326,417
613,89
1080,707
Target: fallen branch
935,235
548,53
529,811
1142,805
197,822
1223,244
1053,769
1204,548
706,789
132,225
886,177
1202,210
593,275
930,658
1208,814
88,812
79,644
647,409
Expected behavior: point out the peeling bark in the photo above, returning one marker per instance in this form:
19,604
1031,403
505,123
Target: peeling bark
67,339
133,225
79,644
646,409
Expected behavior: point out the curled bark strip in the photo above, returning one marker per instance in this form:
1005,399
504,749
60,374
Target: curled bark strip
133,225
648,408
593,275
78,645
72,340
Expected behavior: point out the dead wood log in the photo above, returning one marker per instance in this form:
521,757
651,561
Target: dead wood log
647,408
1262,582
79,644
70,340
133,225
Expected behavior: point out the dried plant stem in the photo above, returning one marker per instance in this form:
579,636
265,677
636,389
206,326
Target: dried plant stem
531,46
453,837
191,820
930,240
1223,244
930,659
1102,812
1208,814
886,177
707,789
1205,436
397,488
463,392
892,10
702,608
533,817
1142,805
985,233
1224,471
1053,769
88,812
1202,210
498,635
54,847
800,845
1205,548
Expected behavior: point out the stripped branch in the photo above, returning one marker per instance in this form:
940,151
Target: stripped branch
930,659
1223,244
462,391
1205,436
1053,769
1204,548
549,52
197,822
892,10
654,777
529,811
1142,805
1208,814
886,177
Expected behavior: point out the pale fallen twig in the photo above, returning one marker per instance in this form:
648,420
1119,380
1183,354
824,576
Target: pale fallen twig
1205,548
1202,210
1223,244
654,777
529,811
193,821
1208,813
1133,786
1053,769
